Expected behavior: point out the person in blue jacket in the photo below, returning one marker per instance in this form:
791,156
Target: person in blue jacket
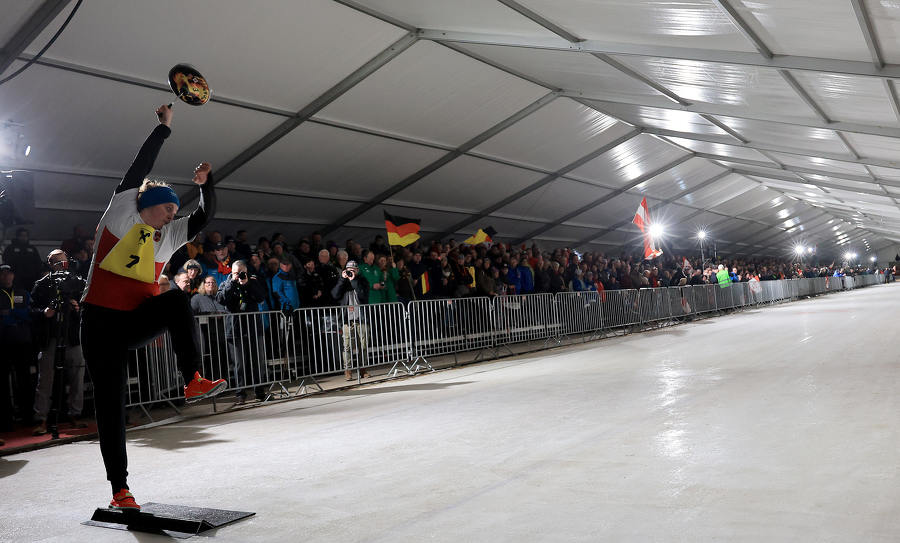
285,287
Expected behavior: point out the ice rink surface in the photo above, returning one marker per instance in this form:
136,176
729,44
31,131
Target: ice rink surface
776,424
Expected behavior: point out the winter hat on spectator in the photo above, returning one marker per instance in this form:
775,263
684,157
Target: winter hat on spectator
577,271
220,245
352,264
192,264
276,243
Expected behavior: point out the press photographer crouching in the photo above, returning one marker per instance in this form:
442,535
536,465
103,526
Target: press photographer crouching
55,301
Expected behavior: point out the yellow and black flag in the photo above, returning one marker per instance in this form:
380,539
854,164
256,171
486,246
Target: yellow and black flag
401,231
481,236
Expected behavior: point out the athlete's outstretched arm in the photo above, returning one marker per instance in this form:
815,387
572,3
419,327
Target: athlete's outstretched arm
207,205
145,158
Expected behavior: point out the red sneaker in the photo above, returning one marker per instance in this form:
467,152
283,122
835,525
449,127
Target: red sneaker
124,501
200,388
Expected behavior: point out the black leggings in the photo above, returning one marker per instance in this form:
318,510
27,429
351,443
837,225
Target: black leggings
106,337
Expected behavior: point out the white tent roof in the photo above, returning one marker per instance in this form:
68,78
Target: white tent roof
767,124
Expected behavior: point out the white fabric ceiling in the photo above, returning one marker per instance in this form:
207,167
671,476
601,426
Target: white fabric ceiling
767,124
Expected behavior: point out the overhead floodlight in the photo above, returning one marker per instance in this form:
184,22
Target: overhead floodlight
809,249
656,230
872,259
798,249
848,256
701,234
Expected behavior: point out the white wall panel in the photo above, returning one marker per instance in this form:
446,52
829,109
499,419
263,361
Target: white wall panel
666,119
627,162
97,125
722,84
552,201
698,23
811,28
678,179
467,184
567,70
329,161
554,136
850,99
434,94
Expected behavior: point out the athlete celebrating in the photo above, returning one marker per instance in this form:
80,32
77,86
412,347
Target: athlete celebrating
122,306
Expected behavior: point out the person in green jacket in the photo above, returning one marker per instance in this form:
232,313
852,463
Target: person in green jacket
391,277
374,276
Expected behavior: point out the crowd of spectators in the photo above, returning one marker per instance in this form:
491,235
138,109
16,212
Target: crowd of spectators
226,274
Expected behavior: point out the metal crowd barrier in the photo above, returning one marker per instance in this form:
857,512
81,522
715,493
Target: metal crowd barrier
524,318
438,327
265,352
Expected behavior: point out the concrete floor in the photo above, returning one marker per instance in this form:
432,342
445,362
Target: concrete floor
779,424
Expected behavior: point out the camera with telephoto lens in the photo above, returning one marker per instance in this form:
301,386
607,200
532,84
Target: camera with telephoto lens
69,286
242,275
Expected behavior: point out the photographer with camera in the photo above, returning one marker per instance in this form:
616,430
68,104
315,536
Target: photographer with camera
56,296
352,290
241,293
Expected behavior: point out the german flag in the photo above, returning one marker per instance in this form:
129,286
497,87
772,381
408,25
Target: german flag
401,231
424,283
481,236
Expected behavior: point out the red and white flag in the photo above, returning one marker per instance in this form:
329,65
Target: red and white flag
642,220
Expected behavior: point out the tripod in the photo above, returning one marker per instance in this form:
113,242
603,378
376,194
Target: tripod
61,327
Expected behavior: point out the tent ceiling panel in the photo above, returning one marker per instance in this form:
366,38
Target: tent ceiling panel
467,184
723,84
566,70
556,135
786,135
555,200
671,24
747,201
462,127
15,14
678,179
886,173
610,212
718,149
237,205
564,233
666,119
433,94
720,192
849,98
672,215
824,164
627,162
459,15
879,147
886,21
95,126
56,191
263,43
812,28
329,161
507,229
433,222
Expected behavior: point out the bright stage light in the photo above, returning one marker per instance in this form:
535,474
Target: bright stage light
701,235
798,250
656,230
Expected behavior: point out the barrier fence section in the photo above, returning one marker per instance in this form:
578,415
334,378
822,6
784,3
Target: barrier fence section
525,318
347,338
438,327
579,313
263,352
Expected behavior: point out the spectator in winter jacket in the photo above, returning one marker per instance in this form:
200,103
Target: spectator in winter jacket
23,259
352,292
285,287
17,349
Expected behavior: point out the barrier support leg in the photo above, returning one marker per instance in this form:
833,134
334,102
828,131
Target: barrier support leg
303,388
